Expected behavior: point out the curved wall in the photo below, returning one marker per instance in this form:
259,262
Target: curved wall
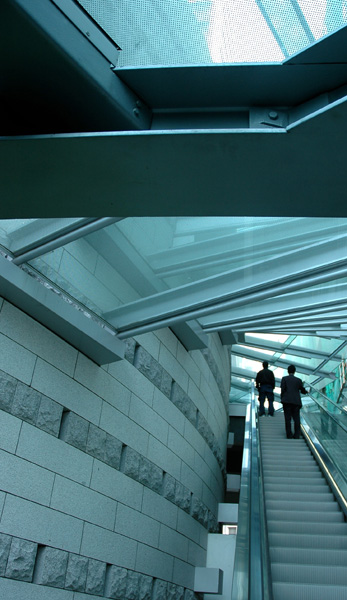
111,476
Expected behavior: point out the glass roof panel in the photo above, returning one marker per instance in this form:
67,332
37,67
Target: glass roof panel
138,258
158,32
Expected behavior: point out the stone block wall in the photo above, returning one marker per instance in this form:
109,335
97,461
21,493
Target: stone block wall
110,476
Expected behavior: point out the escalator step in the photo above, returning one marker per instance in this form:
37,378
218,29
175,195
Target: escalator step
304,540
318,529
311,556
294,474
303,507
288,483
319,486
293,591
312,574
307,533
296,517
307,497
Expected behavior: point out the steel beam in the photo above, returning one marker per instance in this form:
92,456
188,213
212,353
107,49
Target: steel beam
68,84
85,334
307,352
280,362
301,303
38,247
234,246
316,263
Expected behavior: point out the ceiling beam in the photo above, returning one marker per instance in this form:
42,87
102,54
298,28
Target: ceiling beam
308,352
306,301
314,264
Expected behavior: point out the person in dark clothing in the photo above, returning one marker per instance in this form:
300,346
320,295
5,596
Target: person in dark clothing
265,384
291,388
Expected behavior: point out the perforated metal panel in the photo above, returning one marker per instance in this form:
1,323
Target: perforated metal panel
161,32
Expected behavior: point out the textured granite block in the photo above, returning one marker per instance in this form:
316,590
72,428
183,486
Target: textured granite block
116,583
51,566
5,544
206,352
145,587
96,442
217,452
159,590
49,416
132,590
26,403
150,475
183,403
203,427
169,487
175,592
182,497
113,451
148,366
130,463
7,390
166,383
199,511
96,577
213,525
190,595
21,560
76,573
74,430
210,438
129,352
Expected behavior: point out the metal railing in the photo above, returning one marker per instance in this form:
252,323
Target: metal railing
326,434
251,579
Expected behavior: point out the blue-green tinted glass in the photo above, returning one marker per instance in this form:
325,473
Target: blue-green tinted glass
158,32
329,424
139,257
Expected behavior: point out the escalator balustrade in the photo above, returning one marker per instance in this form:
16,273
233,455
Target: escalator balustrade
307,532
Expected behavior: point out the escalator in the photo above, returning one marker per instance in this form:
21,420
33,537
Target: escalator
292,535
307,532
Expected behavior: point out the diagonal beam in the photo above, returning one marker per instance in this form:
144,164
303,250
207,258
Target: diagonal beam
60,238
307,352
310,301
314,317
288,272
290,39
221,250
279,362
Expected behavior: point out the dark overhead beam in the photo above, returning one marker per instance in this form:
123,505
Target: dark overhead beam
56,78
186,173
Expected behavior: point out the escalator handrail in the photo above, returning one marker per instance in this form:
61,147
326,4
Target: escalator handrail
251,567
241,563
255,555
332,473
263,539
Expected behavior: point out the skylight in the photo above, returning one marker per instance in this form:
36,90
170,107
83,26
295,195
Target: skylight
157,32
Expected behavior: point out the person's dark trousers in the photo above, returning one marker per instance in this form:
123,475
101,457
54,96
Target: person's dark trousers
292,411
266,391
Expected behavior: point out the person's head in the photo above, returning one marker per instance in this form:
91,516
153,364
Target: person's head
291,369
265,364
